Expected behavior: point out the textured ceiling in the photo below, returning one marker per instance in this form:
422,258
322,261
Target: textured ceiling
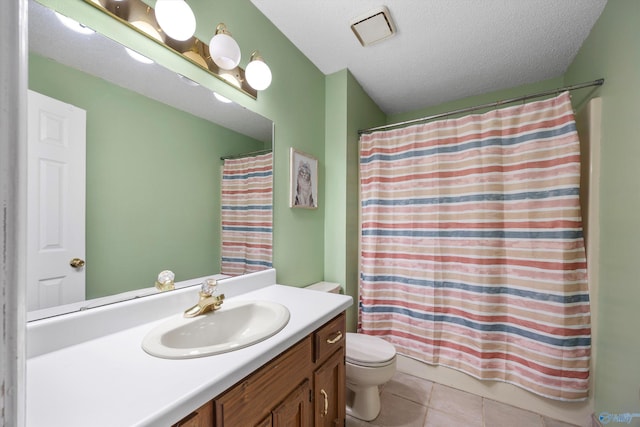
444,49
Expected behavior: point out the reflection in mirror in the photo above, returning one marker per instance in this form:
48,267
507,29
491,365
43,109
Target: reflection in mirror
138,15
154,142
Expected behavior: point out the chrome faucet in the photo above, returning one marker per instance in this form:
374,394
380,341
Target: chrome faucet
209,299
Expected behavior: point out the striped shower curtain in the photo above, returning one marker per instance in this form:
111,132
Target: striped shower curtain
247,190
472,253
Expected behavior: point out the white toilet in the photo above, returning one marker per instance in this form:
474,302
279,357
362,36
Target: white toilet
370,362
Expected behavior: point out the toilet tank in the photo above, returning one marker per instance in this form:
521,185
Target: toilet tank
334,288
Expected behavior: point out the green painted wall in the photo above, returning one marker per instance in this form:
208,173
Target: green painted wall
348,108
362,113
295,103
336,176
153,181
611,51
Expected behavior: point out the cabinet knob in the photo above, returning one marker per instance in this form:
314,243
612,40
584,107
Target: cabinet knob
326,402
335,339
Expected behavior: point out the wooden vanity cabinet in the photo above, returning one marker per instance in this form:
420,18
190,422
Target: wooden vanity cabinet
329,375
295,410
253,399
201,417
302,387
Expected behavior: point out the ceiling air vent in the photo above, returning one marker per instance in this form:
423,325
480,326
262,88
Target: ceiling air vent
373,27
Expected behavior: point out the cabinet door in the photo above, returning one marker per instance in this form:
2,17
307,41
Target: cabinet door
329,384
294,411
250,401
201,417
265,423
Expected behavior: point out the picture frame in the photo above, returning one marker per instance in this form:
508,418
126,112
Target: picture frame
303,180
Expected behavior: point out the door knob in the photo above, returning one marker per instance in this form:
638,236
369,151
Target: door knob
76,263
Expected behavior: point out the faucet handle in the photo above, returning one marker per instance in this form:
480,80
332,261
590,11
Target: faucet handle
209,287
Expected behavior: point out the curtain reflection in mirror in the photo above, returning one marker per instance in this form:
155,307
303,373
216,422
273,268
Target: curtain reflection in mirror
247,214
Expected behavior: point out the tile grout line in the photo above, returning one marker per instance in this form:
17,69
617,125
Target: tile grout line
426,414
541,419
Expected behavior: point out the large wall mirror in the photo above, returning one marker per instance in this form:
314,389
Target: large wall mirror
154,143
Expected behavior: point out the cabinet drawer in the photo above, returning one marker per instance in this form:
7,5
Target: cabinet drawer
329,338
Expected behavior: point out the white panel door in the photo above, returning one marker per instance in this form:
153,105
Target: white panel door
55,202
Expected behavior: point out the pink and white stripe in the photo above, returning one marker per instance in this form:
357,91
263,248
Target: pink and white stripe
472,253
247,193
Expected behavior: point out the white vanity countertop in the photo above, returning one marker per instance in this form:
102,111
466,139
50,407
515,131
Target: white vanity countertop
111,381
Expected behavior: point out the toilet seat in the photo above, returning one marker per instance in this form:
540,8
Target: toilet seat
368,351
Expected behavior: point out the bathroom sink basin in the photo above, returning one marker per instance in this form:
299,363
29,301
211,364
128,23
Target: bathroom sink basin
237,324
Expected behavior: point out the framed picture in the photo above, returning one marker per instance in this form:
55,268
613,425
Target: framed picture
303,180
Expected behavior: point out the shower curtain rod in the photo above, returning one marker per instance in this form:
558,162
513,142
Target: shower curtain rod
598,82
239,156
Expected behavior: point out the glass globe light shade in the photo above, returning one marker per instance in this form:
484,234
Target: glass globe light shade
224,51
258,74
176,19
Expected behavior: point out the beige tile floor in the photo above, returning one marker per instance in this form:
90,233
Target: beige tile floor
409,401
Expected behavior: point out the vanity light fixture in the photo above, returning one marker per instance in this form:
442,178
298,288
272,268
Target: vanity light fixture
176,19
258,73
224,50
140,17
230,78
221,57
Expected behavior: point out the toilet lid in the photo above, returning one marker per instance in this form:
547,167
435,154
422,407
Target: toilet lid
367,350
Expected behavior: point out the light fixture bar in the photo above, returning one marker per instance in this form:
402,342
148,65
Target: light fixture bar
140,17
